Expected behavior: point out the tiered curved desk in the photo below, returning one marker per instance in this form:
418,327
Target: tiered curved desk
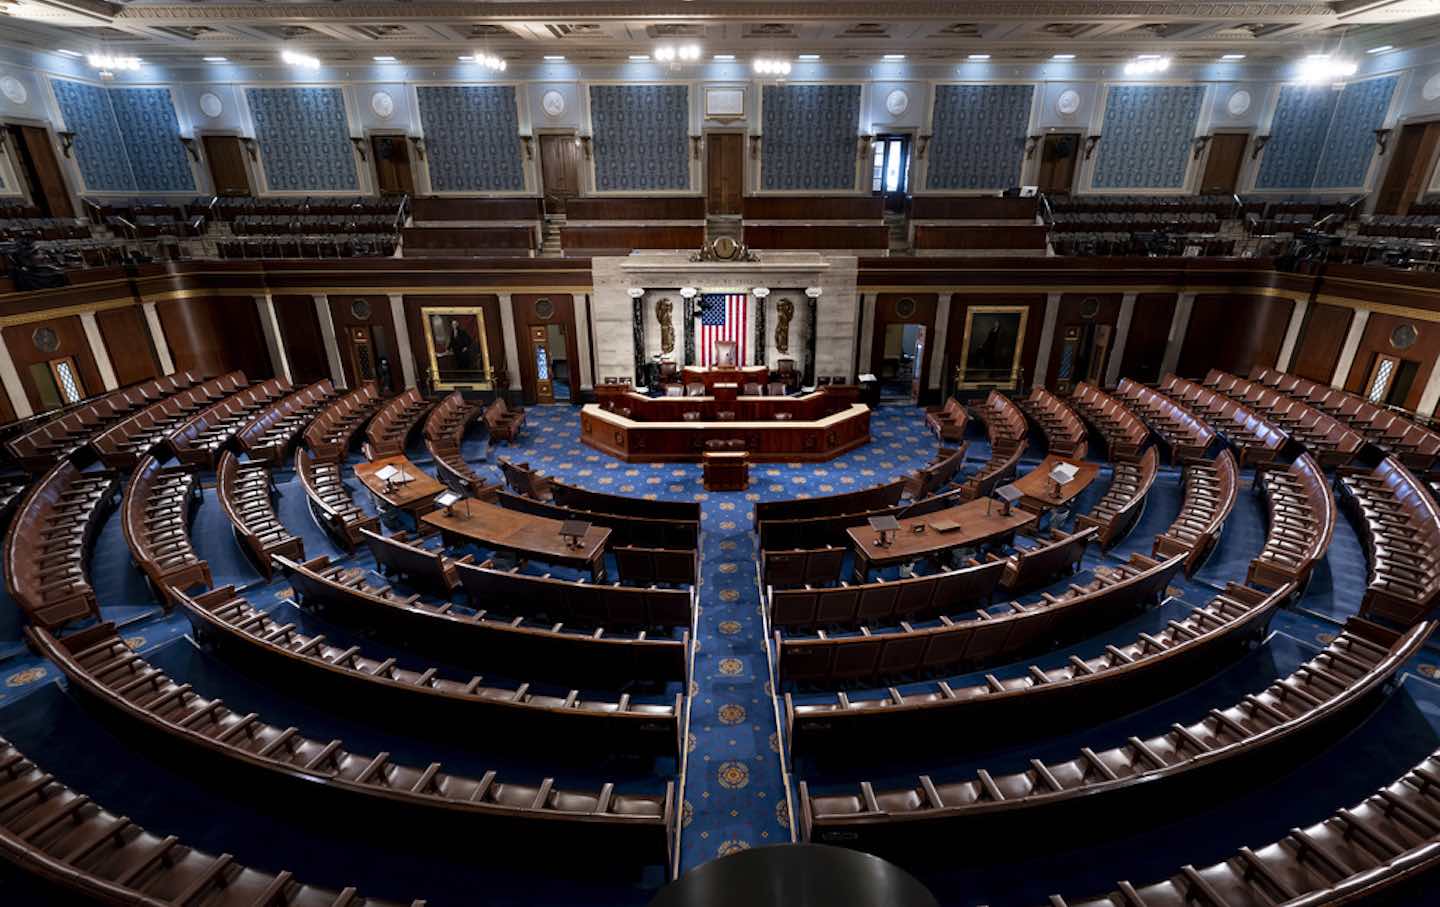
444,430
157,507
388,432
269,434
1124,500
1211,488
330,500
1302,520
199,440
1256,438
1401,530
244,491
1124,432
1330,441
124,443
1186,434
1064,432
329,437
1006,429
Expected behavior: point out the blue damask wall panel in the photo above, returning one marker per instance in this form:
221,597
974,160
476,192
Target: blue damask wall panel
979,136
1147,136
1297,137
472,138
304,139
151,131
640,137
811,136
1350,144
98,147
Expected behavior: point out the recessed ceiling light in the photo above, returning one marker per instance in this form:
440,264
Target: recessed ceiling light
217,59
69,53
639,58
1381,49
384,58
302,60
1231,58
555,58
466,58
978,57
893,57
1063,57
724,58
808,58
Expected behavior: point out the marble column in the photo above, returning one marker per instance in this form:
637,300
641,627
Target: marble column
402,338
935,346
863,363
13,388
327,335
270,327
97,349
1122,336
512,350
1178,326
1047,339
157,337
1350,348
1292,334
582,375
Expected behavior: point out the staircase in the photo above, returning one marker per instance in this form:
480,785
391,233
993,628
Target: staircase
550,236
899,233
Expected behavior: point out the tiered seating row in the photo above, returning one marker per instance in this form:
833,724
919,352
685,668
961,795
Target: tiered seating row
635,531
1401,529
1211,487
1187,434
866,499
1258,440
245,490
1302,520
503,423
925,482
268,435
224,618
332,432
330,499
102,667
157,507
199,440
422,567
1050,558
1362,658
948,421
1330,441
1064,432
1125,434
388,432
124,443
585,604
445,429
1124,501
883,602
1006,428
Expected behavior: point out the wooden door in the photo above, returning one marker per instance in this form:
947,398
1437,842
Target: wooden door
724,172
226,159
47,179
544,364
392,165
1057,162
559,170
1222,167
360,353
1412,156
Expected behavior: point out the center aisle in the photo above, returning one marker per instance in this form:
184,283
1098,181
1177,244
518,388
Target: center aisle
734,794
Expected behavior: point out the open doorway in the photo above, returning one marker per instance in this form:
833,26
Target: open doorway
1058,157
890,174
559,362
901,363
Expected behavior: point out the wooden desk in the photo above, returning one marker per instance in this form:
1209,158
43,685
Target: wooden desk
1039,490
976,527
524,533
755,374
416,497
765,440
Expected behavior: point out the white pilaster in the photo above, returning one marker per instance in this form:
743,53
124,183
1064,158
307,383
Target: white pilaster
13,388
580,375
157,337
332,346
1178,326
1122,334
97,349
402,338
270,327
512,349
1431,397
1047,339
935,346
1351,347
863,364
1292,334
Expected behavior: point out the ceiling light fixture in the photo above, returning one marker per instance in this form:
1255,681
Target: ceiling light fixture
384,58
490,62
1231,58
1321,68
808,58
1063,57
304,61
724,58
217,59
978,58
1381,49
555,58
893,58
111,63
685,53
767,67
639,58
1147,65
69,53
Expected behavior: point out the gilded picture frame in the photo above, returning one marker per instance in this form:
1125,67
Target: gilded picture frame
448,373
992,347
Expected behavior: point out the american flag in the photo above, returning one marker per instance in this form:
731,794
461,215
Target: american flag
722,317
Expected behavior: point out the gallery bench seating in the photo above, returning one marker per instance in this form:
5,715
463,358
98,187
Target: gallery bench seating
329,437
1211,487
101,667
1111,596
1116,512
1352,857
444,431
1330,441
423,567
39,447
269,434
925,482
392,426
123,444
224,619
1049,559
587,658
48,541
657,565
586,604
801,566
866,499
884,602
948,421
638,531
1124,432
1401,531
1336,683
66,840
330,499
199,440
622,505
1064,433
1185,433
156,511
1417,446
1256,438
1302,519
1081,691
245,490
502,422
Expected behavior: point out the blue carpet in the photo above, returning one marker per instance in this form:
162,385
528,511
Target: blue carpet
1241,540
213,538
1337,585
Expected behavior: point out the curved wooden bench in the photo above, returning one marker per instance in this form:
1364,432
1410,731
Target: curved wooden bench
883,602
587,658
1302,520
390,430
1064,433
984,639
1211,487
444,431
102,668
64,838
948,421
639,531
1330,441
49,539
199,440
330,435
1084,690
1258,440
524,481
1289,713
226,620
244,491
1400,526
1049,559
1187,435
330,499
124,443
583,603
156,510
1124,432
949,463
268,435
1115,513
862,501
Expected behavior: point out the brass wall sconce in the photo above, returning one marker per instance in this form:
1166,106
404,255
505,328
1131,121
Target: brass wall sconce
1260,142
1200,144
1090,142
419,144
528,142
1031,143
1382,138
754,147
924,144
585,146
695,146
359,147
67,141
252,148
189,144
